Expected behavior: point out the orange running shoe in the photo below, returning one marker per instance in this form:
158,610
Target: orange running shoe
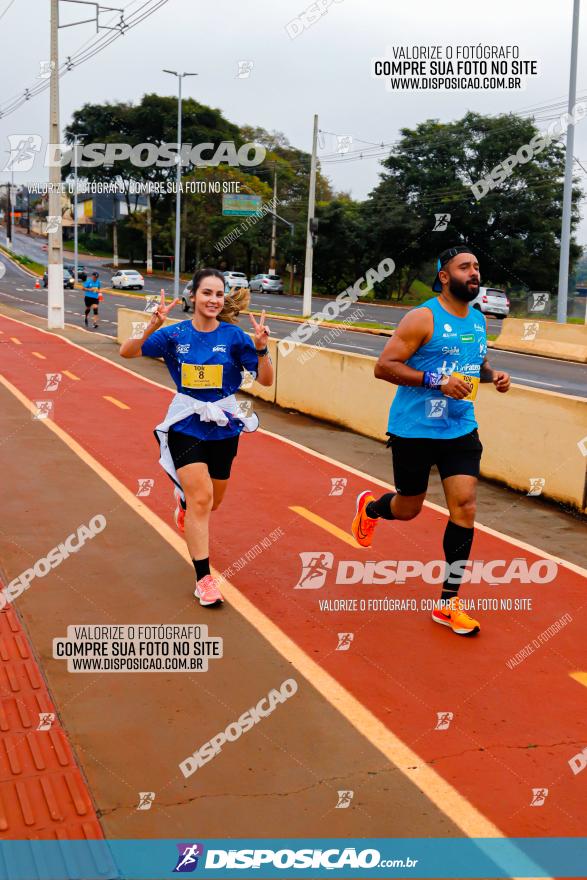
179,512
459,621
363,526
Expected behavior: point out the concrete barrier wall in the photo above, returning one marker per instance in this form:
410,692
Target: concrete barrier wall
526,433
565,341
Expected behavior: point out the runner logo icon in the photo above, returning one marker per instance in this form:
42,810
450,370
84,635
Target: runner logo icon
539,795
444,719
189,855
314,568
338,485
436,408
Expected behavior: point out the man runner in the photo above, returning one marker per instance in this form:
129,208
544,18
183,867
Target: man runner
437,356
92,297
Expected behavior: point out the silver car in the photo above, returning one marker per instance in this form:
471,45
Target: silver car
491,301
186,303
266,283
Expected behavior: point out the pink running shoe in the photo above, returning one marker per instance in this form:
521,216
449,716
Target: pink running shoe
207,591
179,512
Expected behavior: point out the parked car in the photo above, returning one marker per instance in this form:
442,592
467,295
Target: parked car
82,274
235,279
266,283
491,301
186,303
67,279
128,279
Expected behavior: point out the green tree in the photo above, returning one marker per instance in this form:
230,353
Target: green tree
515,228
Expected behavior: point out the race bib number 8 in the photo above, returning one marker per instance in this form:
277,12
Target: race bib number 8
472,382
201,375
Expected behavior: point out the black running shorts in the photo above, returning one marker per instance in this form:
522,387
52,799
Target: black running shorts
91,301
414,457
217,454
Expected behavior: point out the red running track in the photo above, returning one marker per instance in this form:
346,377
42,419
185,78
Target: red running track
513,729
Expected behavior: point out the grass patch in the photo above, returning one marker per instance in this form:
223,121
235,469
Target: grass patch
82,249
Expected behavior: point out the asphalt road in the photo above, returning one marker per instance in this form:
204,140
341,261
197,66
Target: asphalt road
17,288
32,247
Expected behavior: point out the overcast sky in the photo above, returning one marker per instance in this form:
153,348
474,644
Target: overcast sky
324,70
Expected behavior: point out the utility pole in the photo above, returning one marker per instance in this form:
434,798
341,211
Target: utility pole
55,297
149,236
9,188
114,233
563,270
307,301
9,213
176,261
184,221
75,248
272,260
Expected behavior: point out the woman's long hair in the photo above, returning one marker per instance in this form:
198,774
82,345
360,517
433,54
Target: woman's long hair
234,302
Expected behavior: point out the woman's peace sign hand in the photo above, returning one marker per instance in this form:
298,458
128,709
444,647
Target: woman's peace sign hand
260,331
162,310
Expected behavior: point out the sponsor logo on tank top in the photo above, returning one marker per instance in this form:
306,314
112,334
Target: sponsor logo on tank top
182,348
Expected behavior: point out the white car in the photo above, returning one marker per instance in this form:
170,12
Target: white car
128,279
491,301
235,279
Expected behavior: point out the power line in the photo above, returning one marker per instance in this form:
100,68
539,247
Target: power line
81,56
7,8
369,153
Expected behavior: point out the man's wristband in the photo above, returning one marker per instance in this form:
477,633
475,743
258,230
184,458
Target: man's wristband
261,352
433,380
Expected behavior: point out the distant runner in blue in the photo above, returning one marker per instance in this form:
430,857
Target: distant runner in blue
208,358
437,356
92,287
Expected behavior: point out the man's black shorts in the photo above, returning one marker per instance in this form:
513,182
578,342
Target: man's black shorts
414,457
91,301
217,454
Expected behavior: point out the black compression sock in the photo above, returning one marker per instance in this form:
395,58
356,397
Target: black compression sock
202,567
457,548
381,507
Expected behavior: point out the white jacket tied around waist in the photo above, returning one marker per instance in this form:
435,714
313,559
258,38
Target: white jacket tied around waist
182,407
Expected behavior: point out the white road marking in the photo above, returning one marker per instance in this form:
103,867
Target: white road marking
534,381
348,345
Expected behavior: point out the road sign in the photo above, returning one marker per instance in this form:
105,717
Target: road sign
241,205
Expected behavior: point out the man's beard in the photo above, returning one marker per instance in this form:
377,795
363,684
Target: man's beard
463,291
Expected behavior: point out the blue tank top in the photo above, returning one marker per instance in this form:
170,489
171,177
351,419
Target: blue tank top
457,345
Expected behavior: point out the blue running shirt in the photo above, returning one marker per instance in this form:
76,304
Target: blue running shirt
457,345
221,356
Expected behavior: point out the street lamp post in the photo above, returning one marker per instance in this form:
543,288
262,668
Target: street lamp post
179,76
75,256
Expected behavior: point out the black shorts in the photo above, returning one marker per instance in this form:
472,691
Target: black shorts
91,301
414,457
217,454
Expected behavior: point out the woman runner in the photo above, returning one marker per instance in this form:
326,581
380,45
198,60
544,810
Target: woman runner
206,357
